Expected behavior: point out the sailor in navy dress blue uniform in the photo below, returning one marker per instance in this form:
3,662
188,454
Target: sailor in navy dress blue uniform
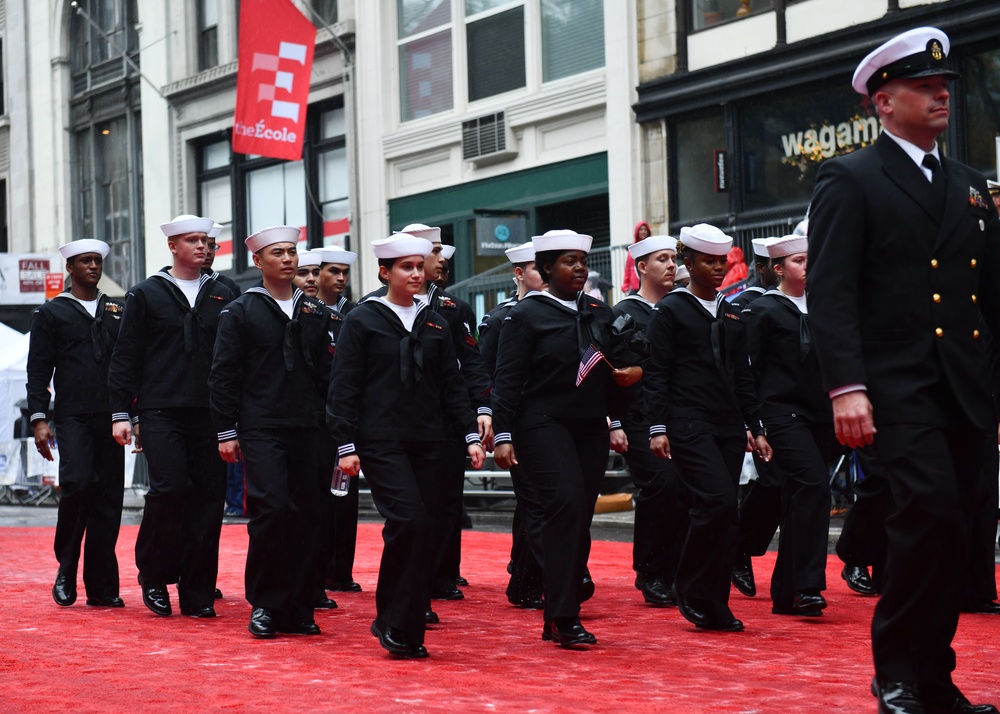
799,422
700,403
551,401
73,335
393,354
268,389
661,521
159,374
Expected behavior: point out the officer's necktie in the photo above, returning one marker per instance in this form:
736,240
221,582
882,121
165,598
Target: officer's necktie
937,179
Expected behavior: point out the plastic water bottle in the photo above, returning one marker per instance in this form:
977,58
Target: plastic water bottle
340,483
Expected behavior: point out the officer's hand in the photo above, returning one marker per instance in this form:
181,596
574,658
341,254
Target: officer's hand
485,422
619,441
763,448
504,456
660,446
350,465
43,439
852,419
122,431
477,455
230,451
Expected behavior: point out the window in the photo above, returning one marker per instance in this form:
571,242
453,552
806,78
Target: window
493,51
425,82
705,13
327,10
981,84
572,37
248,193
208,33
495,45
3,103
696,145
106,134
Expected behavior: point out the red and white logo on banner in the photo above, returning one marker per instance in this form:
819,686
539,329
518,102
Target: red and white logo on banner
272,84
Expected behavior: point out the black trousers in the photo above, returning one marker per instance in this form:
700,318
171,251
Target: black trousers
284,499
933,473
709,458
343,534
406,481
447,543
92,484
178,539
661,519
802,452
863,540
760,510
563,462
980,582
525,549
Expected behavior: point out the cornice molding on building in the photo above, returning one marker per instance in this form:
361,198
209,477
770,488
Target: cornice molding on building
59,62
562,99
209,81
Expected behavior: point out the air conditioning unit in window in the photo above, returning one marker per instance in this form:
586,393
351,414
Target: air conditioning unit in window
487,140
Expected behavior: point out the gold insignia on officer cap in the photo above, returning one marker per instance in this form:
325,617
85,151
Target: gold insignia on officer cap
934,47
920,52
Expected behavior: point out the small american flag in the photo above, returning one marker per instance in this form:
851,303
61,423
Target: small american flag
589,360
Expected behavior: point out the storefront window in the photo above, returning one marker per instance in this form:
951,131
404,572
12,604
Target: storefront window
784,141
700,151
981,78
705,13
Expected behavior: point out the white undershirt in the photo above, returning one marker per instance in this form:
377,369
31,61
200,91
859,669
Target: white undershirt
571,304
407,315
287,306
800,302
189,288
711,305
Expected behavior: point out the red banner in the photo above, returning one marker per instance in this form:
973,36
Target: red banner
272,85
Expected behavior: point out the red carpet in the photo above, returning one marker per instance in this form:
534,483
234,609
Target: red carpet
485,655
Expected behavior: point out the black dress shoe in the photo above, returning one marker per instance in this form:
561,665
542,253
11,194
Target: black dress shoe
728,624
530,602
261,625
105,602
461,582
960,705
654,591
393,645
431,617
779,609
325,604
218,594
338,586
897,697
692,611
64,589
986,607
586,588
568,632
742,575
446,594
203,612
857,579
307,627
156,598
808,602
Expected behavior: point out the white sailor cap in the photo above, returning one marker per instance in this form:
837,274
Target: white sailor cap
84,245
682,273
186,224
524,253
787,245
760,246
705,238
400,245
447,251
993,186
562,239
431,233
272,235
653,244
921,52
216,230
309,258
335,254
802,229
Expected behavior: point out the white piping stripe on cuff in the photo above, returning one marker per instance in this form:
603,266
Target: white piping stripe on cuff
616,424
346,449
227,435
120,416
472,438
486,410
502,438
657,430
36,416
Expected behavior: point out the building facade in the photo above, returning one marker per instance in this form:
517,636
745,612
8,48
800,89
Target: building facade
741,101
